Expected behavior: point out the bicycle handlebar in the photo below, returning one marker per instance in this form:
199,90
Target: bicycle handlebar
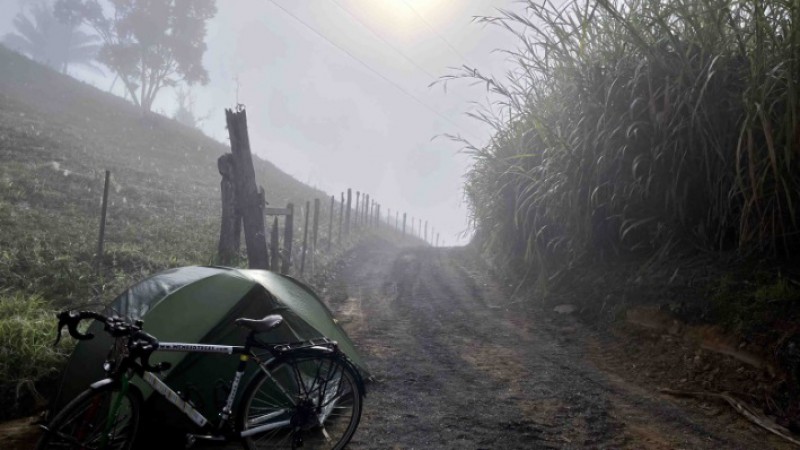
141,344
70,319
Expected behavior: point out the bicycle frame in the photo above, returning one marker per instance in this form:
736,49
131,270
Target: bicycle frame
245,355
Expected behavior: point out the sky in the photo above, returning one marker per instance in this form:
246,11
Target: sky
337,93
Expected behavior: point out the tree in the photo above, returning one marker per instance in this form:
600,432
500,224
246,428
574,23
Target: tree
150,44
185,112
49,41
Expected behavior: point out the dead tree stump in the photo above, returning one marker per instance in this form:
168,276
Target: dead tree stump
230,233
249,198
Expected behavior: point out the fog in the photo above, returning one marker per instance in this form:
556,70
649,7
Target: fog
337,93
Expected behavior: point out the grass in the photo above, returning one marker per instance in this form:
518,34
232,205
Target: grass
766,308
27,333
57,137
633,127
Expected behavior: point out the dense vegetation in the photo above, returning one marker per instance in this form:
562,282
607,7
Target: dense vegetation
636,127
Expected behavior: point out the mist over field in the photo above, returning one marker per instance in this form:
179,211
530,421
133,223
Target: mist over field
353,112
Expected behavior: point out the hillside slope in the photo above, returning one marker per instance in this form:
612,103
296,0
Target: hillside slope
57,136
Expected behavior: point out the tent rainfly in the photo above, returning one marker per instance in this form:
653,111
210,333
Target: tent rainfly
200,304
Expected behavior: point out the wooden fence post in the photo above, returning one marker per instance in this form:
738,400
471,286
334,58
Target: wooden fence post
348,210
305,238
426,231
341,217
365,211
413,220
249,198
355,213
404,224
330,225
315,230
397,220
361,211
316,223
102,237
288,236
274,246
230,230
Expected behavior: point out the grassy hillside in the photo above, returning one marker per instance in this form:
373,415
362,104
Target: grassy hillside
57,136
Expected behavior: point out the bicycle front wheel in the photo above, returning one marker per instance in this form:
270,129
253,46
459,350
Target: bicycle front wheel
310,399
102,418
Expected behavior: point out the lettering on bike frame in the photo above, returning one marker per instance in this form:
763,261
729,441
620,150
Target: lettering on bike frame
199,348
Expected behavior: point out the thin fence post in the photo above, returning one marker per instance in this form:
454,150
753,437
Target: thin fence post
330,225
364,203
404,224
347,211
341,217
315,230
101,238
397,220
426,232
316,223
274,246
413,220
367,217
355,213
305,239
437,239
288,236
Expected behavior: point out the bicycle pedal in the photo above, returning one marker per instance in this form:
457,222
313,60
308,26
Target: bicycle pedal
205,437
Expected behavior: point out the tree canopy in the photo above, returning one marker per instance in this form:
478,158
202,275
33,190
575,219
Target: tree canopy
149,44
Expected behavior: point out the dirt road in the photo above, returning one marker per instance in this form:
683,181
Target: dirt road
456,367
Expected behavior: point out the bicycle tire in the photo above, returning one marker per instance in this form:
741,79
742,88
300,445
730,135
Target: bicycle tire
325,383
83,422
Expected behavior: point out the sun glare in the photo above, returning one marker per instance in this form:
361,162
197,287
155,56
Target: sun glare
406,19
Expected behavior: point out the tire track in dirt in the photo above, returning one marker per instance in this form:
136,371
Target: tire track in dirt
456,368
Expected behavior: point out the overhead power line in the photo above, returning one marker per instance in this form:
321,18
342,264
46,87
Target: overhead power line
439,35
370,68
390,45
376,34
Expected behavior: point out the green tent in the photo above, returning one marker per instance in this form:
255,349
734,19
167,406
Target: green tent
200,304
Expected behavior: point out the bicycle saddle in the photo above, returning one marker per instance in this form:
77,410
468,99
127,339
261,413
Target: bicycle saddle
260,325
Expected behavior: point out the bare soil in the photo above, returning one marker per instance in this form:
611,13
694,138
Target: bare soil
458,367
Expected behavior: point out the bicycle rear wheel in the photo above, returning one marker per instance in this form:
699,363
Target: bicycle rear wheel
311,399
96,419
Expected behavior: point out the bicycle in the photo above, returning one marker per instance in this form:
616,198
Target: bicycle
306,394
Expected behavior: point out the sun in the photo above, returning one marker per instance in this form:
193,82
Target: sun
406,19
